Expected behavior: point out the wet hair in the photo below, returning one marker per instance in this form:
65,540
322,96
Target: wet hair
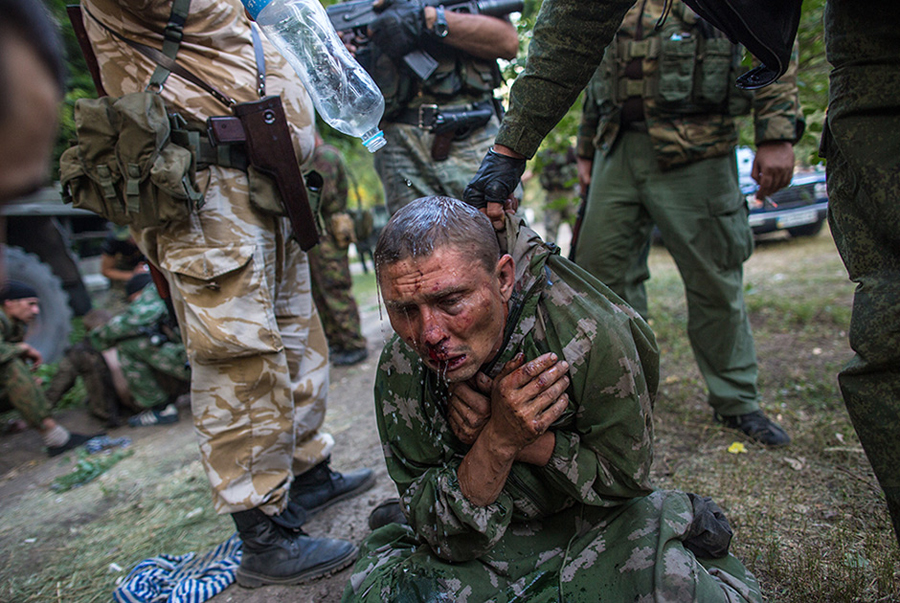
429,223
29,22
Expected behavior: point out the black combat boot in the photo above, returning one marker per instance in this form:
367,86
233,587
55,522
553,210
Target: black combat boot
321,487
274,554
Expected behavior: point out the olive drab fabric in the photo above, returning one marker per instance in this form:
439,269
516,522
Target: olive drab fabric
861,145
685,86
124,166
239,283
585,527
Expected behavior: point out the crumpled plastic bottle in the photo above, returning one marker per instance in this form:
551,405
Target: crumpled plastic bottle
343,92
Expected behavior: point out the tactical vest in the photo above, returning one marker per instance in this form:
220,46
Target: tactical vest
459,78
696,69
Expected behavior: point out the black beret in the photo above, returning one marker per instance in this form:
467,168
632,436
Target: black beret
16,290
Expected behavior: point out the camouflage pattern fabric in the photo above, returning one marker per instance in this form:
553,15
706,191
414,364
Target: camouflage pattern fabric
18,390
566,46
144,362
861,145
679,137
240,284
408,172
559,179
585,527
83,360
329,265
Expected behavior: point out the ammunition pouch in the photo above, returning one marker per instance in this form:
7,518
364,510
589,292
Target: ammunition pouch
124,165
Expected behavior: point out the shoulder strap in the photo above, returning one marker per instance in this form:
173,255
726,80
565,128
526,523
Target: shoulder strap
75,18
260,59
172,36
167,63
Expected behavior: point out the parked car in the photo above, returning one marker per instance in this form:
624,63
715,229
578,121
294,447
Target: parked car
799,208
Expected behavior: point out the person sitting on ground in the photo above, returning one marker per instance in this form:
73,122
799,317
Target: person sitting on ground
120,260
142,346
18,388
82,360
514,406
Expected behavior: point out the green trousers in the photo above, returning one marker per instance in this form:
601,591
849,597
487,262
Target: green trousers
702,216
862,145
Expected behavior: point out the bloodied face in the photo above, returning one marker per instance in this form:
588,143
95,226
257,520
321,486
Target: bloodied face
449,308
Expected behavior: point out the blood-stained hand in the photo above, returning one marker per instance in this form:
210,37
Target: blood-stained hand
469,407
526,398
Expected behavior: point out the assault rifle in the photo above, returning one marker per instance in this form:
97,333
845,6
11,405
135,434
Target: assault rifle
356,15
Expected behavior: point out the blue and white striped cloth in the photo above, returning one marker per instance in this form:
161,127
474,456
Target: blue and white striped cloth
182,578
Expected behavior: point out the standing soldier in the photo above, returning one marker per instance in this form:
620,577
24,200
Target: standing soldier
329,266
559,179
656,145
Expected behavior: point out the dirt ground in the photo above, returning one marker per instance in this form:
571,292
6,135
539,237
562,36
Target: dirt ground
161,452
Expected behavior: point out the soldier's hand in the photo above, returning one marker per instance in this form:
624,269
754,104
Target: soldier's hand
585,166
491,190
398,29
28,353
469,407
773,167
527,397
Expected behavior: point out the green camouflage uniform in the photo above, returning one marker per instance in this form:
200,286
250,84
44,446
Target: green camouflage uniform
83,360
862,146
587,526
329,266
149,366
240,283
18,390
657,124
404,164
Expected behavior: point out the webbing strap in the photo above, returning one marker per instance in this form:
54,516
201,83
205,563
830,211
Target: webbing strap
172,37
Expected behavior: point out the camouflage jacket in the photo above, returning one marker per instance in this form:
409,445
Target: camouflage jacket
603,445
328,162
217,47
12,333
140,319
686,89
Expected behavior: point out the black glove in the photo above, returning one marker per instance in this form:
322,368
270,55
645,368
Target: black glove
398,29
495,180
709,534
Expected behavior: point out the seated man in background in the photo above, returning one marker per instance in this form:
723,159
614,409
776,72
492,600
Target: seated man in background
148,354
131,363
514,405
18,389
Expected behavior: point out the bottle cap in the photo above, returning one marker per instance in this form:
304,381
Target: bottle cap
254,7
375,142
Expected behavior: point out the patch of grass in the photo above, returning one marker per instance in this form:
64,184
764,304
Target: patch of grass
810,519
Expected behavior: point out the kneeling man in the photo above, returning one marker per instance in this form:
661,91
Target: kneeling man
514,406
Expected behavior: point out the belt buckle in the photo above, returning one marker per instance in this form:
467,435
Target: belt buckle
428,116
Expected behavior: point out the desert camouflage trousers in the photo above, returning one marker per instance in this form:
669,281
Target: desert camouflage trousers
862,145
630,553
408,172
259,360
18,391
329,270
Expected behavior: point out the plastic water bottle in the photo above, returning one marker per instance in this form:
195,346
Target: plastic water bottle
343,92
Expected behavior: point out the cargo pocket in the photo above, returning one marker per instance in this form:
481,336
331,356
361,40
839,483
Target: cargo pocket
229,312
725,235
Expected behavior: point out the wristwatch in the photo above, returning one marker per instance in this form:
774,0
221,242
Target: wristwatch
440,23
